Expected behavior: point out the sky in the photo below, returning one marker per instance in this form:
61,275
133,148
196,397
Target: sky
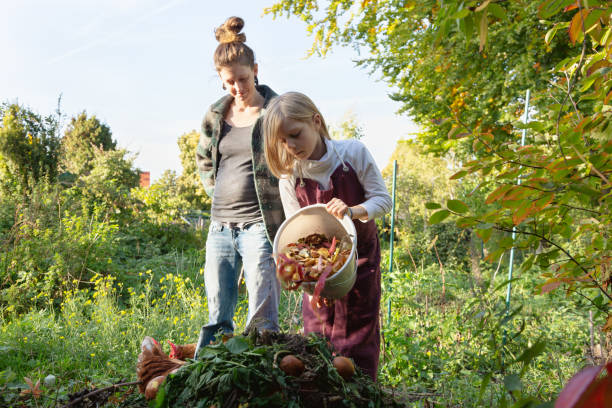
145,68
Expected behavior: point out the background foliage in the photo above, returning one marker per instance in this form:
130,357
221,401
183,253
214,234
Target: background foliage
90,262
82,137
29,148
460,70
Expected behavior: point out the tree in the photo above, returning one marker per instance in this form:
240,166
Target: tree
80,140
164,202
554,193
349,128
190,186
29,147
423,178
111,177
436,59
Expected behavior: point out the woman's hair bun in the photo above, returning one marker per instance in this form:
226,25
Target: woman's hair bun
230,31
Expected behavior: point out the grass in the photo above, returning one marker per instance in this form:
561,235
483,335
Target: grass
447,346
436,349
94,336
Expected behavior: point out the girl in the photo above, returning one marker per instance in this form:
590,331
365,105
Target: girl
315,169
246,209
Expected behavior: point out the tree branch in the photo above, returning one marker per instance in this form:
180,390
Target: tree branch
572,82
555,191
505,160
533,188
603,309
581,209
604,178
572,101
586,271
94,392
545,239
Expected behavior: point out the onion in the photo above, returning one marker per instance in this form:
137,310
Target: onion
292,365
50,380
344,366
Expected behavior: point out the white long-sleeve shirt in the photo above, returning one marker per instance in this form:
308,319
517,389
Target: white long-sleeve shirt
377,199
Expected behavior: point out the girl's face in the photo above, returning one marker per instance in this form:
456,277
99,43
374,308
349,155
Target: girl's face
239,80
302,140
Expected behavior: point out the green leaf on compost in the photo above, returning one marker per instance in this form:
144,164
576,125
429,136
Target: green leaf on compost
237,345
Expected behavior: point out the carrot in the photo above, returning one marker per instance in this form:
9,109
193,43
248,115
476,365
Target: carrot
332,248
319,286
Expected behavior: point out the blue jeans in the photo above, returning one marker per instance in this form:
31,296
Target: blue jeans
226,250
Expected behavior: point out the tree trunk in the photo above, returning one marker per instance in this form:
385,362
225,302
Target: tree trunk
475,250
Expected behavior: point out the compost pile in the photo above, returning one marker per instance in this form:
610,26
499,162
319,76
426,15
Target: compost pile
312,258
267,369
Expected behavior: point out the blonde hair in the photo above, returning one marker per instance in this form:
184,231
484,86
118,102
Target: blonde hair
232,48
290,105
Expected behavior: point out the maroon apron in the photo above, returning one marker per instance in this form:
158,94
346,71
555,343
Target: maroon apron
351,323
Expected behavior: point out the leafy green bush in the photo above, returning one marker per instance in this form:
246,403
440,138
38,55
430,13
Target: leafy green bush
94,334
464,349
82,139
57,238
54,244
29,148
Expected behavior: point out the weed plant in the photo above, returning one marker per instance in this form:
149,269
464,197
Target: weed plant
443,343
94,336
461,348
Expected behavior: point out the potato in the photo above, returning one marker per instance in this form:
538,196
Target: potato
344,366
292,365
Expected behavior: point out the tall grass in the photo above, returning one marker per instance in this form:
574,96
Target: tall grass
94,335
435,348
458,348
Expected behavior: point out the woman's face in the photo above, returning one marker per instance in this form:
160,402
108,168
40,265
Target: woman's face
302,140
239,81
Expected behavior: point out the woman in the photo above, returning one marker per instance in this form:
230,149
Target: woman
246,207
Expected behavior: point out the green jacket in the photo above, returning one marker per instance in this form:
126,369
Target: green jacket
207,160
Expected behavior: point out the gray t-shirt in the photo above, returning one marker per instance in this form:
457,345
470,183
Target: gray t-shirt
235,198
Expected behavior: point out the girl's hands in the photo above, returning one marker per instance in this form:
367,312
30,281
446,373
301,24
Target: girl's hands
337,208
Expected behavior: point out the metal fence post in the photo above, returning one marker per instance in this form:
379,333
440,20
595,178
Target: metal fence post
391,239
518,182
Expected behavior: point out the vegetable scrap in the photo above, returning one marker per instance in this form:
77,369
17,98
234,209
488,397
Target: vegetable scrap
311,259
